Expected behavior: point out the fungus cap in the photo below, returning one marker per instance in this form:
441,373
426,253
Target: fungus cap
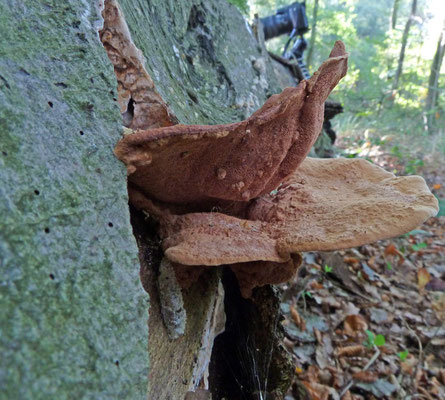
237,162
327,204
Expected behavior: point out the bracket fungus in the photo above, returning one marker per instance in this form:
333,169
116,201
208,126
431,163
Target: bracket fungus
271,201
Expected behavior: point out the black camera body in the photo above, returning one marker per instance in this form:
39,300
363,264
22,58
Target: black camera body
286,20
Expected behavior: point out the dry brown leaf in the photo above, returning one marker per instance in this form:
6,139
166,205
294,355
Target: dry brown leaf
318,336
353,324
409,364
314,285
372,263
351,260
434,386
299,321
391,250
438,305
442,375
325,377
423,277
350,351
338,375
347,396
317,391
312,392
365,376
425,393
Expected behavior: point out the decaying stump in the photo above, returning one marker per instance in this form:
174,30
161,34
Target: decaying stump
237,195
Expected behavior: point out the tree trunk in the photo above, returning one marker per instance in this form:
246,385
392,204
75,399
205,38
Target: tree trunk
433,82
395,10
74,314
73,317
404,42
310,52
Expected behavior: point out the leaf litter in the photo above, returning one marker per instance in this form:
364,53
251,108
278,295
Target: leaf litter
369,322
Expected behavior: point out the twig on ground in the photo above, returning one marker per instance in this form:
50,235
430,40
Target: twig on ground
370,362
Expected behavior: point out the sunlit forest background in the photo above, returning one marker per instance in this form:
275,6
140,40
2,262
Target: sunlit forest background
394,93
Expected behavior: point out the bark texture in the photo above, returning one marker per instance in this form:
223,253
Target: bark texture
208,69
73,321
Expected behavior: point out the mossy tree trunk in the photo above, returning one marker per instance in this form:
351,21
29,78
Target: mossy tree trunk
74,320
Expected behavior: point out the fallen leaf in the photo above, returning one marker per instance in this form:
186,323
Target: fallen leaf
442,376
365,376
435,285
368,272
409,364
350,351
438,305
379,315
423,277
318,391
380,388
304,353
351,260
391,250
354,323
301,324
437,186
347,396
314,285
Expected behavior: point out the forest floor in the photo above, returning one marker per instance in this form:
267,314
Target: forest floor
369,322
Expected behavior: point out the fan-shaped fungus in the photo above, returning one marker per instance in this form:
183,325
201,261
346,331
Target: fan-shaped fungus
273,204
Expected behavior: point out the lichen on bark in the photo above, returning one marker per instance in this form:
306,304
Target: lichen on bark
73,320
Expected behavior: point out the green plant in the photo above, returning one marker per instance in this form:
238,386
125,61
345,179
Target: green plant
419,246
327,269
413,165
242,5
403,354
389,266
374,340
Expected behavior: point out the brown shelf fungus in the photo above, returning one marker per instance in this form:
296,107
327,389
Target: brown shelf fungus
272,202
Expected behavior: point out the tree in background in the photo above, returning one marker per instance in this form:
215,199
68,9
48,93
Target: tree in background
404,42
395,10
433,82
370,103
313,34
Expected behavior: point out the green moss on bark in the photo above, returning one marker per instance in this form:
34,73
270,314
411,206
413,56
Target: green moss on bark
73,320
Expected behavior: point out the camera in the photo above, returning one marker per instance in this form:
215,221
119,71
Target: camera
291,19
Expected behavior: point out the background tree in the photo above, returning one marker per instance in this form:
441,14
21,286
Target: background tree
433,82
395,10
313,34
404,42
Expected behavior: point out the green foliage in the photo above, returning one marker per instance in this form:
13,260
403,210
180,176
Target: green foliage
419,246
242,5
327,269
403,354
366,92
374,340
